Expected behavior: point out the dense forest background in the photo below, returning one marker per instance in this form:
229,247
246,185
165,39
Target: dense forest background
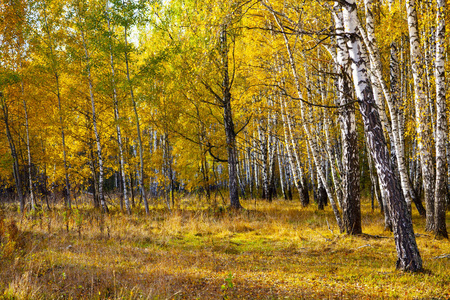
152,101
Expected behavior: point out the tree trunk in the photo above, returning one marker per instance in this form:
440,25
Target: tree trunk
291,152
94,176
311,139
228,123
422,115
27,130
116,119
321,195
440,228
408,254
94,122
138,128
392,98
12,147
283,177
264,153
291,147
271,145
351,208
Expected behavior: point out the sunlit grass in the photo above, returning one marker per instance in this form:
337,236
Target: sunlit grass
272,250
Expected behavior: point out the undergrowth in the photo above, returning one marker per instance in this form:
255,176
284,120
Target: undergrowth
272,250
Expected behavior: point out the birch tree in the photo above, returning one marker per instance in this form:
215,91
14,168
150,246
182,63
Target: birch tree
51,42
230,131
129,10
440,228
407,251
422,115
80,10
116,113
347,120
306,117
12,146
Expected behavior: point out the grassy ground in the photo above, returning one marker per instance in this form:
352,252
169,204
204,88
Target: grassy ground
269,251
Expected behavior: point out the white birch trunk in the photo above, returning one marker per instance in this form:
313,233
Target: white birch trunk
12,147
422,116
311,139
138,128
94,122
395,132
440,227
27,131
408,254
350,160
263,150
116,119
271,144
280,156
291,151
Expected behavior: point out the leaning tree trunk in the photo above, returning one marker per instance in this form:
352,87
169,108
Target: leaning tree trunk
311,139
392,99
407,251
291,145
374,76
138,128
440,228
292,155
329,151
116,119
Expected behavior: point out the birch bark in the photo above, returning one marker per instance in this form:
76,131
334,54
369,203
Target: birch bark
138,127
271,145
351,208
311,139
292,153
30,179
94,121
228,123
392,99
407,251
440,228
12,147
422,116
117,118
280,158
291,145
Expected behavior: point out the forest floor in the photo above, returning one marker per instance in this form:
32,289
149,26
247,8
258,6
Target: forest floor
275,250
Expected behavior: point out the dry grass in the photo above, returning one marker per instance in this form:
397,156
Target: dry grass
269,251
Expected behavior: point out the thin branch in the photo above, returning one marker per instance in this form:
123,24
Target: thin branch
245,125
209,150
285,93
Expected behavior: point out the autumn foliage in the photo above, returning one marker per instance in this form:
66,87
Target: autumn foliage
187,122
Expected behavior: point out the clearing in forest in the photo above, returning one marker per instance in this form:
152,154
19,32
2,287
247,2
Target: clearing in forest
272,250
